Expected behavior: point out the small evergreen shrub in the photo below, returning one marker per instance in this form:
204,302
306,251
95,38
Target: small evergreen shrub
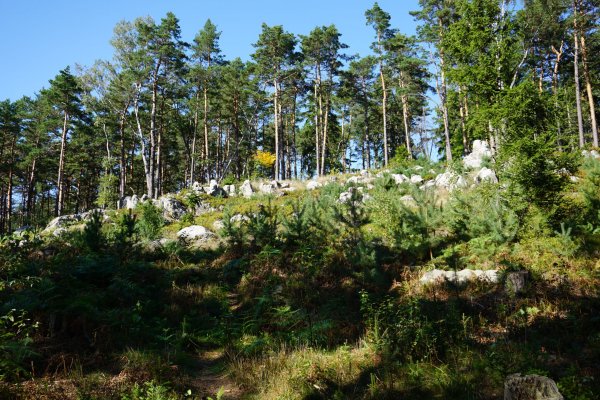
150,220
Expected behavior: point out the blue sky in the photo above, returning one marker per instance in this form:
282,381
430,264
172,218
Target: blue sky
39,38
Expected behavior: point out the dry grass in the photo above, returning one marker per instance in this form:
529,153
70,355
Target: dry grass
294,374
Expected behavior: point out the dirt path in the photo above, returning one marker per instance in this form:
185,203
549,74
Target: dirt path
212,377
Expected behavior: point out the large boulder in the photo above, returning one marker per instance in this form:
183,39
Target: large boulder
416,179
62,221
428,185
361,196
591,154
400,178
312,185
172,208
214,189
197,188
246,189
480,151
530,387
230,190
239,218
129,202
87,216
461,277
194,233
486,175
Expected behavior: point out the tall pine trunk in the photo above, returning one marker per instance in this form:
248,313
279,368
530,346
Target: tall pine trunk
60,198
577,92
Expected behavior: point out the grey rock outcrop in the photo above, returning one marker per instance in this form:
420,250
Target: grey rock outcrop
246,189
530,387
486,175
591,154
62,221
218,225
400,178
516,282
480,151
197,188
129,202
172,208
416,179
312,185
194,233
239,218
230,190
460,277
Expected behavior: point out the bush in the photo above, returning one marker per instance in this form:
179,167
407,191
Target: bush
15,340
92,232
150,221
412,330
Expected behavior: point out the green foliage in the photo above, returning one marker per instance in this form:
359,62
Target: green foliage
262,226
107,191
150,391
412,330
234,232
16,329
409,222
92,232
482,217
150,220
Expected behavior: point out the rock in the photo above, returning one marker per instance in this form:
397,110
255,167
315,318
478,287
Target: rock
362,179
22,231
194,233
267,188
238,218
129,202
218,225
418,168
214,190
416,179
312,185
144,198
353,179
58,232
62,221
428,185
246,189
197,188
516,282
87,216
574,179
433,276
590,154
400,178
203,208
172,208
460,183
486,174
490,275
530,387
445,180
157,245
459,277
230,190
345,197
480,151
364,173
